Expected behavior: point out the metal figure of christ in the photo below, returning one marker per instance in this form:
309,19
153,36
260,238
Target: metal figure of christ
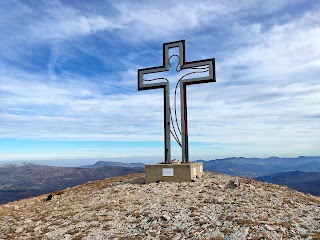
207,69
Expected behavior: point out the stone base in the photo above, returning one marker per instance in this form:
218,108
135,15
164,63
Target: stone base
183,172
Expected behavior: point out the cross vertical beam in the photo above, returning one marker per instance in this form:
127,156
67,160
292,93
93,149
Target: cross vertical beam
143,84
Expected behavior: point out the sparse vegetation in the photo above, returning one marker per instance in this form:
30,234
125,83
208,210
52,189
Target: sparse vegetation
1,211
316,236
245,222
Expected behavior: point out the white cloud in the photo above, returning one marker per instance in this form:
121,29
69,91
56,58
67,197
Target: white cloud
62,22
66,27
164,19
280,50
266,95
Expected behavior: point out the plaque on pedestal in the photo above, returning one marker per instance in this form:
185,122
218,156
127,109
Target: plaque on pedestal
183,172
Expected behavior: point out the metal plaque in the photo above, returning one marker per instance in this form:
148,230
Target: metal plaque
167,172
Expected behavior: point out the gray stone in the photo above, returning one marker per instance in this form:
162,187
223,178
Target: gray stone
283,229
67,236
301,230
28,221
165,217
217,199
233,184
269,228
177,236
213,233
37,229
19,230
239,234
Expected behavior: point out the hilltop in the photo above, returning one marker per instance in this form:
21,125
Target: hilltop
217,206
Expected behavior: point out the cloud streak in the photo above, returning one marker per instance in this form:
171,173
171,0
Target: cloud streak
70,73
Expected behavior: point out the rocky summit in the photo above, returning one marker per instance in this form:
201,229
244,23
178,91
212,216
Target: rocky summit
216,206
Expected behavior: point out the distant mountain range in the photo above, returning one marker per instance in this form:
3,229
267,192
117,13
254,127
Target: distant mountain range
240,166
24,180
301,174
113,164
307,182
257,167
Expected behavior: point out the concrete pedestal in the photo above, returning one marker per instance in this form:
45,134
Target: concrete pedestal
183,172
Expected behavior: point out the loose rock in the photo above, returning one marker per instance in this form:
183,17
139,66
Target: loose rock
213,207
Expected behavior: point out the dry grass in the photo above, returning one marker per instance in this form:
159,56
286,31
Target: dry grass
135,214
245,222
315,236
256,238
286,224
135,221
79,236
197,219
202,222
1,211
72,231
227,231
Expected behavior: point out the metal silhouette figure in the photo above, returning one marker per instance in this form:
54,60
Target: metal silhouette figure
200,66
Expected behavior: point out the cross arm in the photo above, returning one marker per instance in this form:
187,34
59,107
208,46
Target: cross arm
142,85
211,77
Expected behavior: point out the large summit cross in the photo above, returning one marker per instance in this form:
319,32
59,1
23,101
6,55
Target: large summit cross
205,67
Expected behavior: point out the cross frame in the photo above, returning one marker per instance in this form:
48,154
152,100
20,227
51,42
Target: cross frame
142,85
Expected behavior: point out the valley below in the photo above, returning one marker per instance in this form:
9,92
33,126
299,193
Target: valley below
18,181
23,180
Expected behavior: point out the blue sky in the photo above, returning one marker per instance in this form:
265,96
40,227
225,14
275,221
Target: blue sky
68,78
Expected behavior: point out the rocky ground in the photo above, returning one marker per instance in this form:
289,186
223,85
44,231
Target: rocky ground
215,207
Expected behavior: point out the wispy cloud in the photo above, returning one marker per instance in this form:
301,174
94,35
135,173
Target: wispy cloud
68,72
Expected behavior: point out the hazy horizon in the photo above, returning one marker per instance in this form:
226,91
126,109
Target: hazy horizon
76,162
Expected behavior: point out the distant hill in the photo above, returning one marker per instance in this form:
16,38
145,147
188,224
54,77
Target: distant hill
23,180
113,164
306,182
256,167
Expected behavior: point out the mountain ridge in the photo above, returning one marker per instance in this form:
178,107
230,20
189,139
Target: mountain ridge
307,182
256,167
27,180
112,164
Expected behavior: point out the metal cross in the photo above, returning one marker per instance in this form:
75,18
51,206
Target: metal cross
208,64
